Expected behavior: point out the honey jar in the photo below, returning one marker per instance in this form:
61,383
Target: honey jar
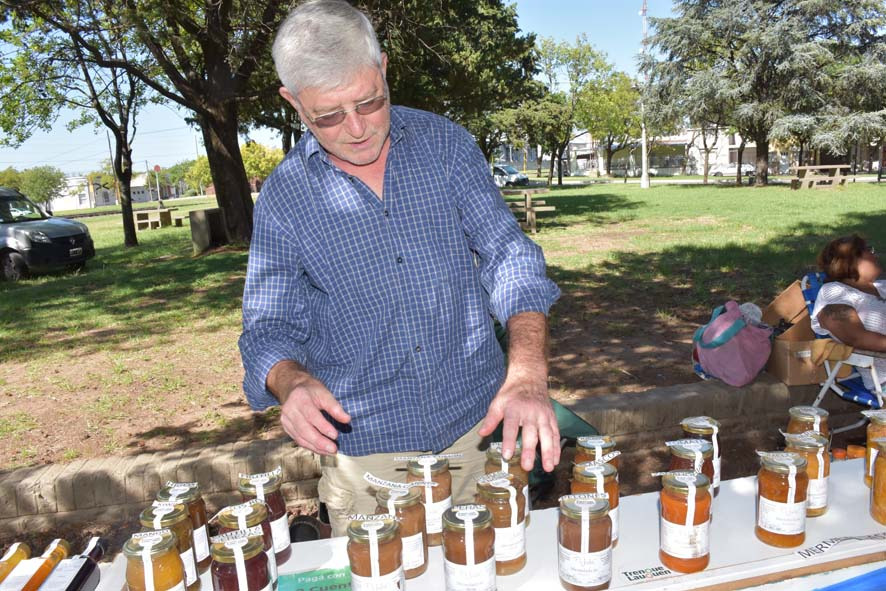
595,448
468,548
495,463
584,543
405,505
174,516
247,515
708,429
814,447
266,488
153,562
876,428
502,494
436,499
692,454
188,493
878,483
600,479
685,541
240,564
808,418
375,553
781,499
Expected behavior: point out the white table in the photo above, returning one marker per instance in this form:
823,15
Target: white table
736,554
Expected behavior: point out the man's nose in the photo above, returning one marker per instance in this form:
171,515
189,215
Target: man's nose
354,124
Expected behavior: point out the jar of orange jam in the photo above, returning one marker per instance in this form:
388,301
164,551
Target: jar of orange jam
878,483
189,494
692,454
781,499
599,479
174,516
808,418
153,562
685,542
502,494
405,505
814,447
584,543
596,448
708,429
495,463
876,428
468,548
375,553
436,499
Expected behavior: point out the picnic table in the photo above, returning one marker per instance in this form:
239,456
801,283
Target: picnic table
526,208
820,176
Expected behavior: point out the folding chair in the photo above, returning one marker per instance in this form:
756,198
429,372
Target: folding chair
851,387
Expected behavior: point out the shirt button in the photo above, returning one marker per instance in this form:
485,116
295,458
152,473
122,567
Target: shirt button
418,348
399,259
387,213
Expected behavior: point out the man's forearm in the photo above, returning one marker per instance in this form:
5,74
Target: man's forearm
528,343
284,377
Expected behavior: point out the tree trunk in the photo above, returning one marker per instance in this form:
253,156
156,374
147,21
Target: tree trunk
800,155
707,165
739,158
123,171
762,173
560,150
551,168
232,190
609,154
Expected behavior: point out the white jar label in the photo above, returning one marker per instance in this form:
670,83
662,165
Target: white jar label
781,518
201,543
478,577
682,541
179,587
526,497
280,533
393,581
434,515
190,566
586,569
413,551
613,515
817,493
510,542
272,565
269,587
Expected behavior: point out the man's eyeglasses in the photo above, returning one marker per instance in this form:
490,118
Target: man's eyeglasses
367,107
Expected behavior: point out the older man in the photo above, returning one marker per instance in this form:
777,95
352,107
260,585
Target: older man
381,250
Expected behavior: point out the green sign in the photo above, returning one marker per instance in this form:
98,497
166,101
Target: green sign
328,579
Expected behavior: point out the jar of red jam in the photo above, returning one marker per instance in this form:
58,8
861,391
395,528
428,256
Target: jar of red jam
708,429
781,499
596,448
174,516
808,418
375,553
685,541
584,543
815,448
469,548
188,493
502,494
266,488
405,505
251,514
436,499
599,479
240,564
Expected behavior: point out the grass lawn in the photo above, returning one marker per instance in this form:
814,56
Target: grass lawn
140,350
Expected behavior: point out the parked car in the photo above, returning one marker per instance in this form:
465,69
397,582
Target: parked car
32,240
731,169
506,175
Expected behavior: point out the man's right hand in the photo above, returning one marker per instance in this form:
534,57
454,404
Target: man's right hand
303,399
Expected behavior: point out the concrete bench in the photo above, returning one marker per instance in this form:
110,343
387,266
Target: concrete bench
820,177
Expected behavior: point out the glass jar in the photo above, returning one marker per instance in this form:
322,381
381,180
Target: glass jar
436,499
468,548
808,418
174,516
252,513
502,494
593,448
600,479
495,463
240,564
266,488
16,553
876,429
685,541
153,562
375,553
692,454
781,499
878,483
405,505
188,493
708,429
814,447
584,543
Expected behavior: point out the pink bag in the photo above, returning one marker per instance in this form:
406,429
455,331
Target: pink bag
731,349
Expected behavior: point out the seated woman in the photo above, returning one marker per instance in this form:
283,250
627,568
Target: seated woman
851,306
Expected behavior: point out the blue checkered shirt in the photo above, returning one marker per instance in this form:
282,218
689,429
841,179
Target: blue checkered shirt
389,302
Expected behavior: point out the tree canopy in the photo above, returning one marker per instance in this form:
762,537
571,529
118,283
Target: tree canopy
42,184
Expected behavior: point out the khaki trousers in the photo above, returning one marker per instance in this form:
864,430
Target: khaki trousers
345,492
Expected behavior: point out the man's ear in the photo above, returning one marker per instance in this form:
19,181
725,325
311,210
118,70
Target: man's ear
284,92
384,63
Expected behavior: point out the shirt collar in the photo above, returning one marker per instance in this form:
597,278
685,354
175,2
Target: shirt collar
399,126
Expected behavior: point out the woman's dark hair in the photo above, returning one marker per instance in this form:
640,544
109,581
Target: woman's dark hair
839,259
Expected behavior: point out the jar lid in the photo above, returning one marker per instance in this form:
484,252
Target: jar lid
810,440
686,448
782,461
158,540
455,517
681,480
226,551
163,514
494,486
700,425
269,481
573,505
402,497
179,492
807,413
493,452
876,416
384,526
416,465
591,442
254,512
591,471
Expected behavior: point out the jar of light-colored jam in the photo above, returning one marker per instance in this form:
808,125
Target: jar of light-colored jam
876,429
436,499
405,505
502,494
153,562
808,418
584,543
692,454
266,488
375,553
495,463
189,494
595,448
468,548
814,447
782,483
174,516
708,429
685,541
240,564
252,513
600,479
878,483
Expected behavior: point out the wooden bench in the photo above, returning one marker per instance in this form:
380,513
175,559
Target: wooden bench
526,209
819,177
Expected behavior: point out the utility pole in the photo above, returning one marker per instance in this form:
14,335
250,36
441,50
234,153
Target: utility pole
644,178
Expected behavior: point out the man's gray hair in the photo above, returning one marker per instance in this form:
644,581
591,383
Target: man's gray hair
322,44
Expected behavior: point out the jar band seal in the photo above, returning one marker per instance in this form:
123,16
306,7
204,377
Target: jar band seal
585,529
690,504
820,456
607,458
792,483
147,565
239,564
874,453
468,517
239,534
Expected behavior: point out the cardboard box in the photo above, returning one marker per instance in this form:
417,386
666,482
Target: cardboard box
791,357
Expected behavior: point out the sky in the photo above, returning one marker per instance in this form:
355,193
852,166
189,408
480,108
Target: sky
164,138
